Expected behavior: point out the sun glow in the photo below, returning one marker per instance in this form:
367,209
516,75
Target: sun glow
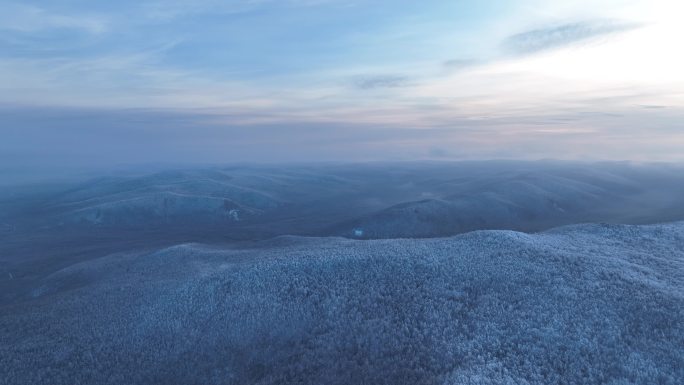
642,66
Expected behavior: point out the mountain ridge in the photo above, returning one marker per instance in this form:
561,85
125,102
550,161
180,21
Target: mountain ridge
560,306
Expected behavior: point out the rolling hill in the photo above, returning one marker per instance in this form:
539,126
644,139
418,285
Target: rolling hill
585,304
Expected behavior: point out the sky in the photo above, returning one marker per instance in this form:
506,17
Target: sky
101,83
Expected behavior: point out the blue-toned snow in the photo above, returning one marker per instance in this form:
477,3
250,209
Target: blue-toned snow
587,304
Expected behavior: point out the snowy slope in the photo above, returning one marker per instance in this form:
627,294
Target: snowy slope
519,200
586,304
412,200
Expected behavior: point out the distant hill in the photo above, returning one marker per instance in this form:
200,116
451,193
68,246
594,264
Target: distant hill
384,200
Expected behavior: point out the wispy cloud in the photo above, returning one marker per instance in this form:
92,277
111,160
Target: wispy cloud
172,9
370,82
28,18
398,77
460,63
556,36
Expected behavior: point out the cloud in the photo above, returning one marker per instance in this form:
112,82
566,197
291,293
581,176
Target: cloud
274,63
652,107
451,66
460,63
27,18
563,35
167,10
370,82
41,137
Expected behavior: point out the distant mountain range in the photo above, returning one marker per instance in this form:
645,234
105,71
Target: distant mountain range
364,201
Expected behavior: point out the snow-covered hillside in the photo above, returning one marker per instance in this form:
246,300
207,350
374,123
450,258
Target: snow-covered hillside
413,200
586,304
